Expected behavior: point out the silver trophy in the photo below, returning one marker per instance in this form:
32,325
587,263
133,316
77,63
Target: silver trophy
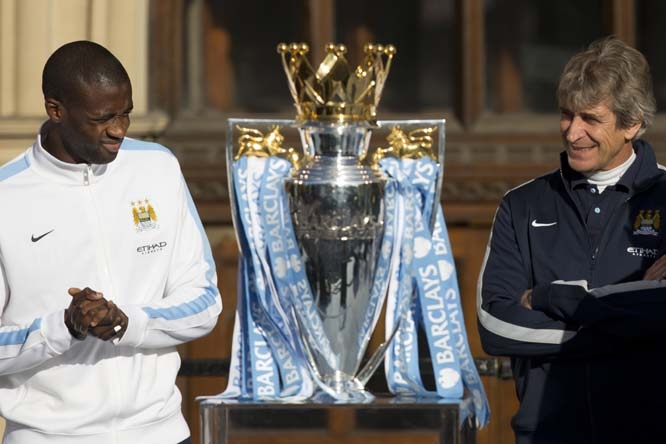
335,193
337,210
336,204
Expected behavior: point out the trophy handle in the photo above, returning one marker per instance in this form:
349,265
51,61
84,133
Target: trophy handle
373,363
309,356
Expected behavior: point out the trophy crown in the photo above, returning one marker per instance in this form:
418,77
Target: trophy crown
335,91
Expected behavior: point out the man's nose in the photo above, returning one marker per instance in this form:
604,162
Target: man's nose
118,127
576,129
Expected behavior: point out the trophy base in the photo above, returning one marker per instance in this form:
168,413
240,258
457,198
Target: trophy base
385,419
342,397
341,388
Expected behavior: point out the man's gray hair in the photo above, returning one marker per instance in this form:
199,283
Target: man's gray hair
610,72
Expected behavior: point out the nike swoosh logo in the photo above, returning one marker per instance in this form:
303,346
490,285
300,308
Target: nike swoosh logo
36,238
537,224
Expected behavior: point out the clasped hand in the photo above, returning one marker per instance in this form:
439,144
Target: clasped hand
656,272
90,312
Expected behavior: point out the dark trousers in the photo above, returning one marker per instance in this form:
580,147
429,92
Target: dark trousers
187,441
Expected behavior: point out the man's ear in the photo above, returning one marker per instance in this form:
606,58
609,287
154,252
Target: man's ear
630,132
54,109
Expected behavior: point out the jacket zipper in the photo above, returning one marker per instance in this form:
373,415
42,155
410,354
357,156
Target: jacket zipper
604,234
86,175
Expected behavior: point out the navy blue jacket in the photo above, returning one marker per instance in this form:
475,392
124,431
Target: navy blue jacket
587,369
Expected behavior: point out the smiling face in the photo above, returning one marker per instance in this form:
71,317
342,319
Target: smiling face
592,139
91,127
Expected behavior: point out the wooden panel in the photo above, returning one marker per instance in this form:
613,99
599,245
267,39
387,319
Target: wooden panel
503,405
218,72
621,19
471,72
469,245
165,67
322,26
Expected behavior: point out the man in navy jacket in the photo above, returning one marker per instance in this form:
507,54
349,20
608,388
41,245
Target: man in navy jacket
570,287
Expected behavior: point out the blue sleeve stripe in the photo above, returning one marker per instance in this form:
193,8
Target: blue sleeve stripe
130,144
19,336
207,299
208,254
185,309
14,168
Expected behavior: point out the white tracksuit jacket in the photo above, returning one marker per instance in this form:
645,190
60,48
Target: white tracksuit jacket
130,230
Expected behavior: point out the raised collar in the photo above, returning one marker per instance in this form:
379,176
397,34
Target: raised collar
56,170
642,173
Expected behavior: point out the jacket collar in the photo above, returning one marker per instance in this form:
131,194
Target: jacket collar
66,173
640,175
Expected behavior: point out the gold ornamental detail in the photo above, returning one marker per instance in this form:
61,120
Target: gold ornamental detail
414,144
253,143
335,91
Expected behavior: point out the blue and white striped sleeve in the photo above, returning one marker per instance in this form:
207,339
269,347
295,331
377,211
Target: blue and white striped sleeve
26,346
505,326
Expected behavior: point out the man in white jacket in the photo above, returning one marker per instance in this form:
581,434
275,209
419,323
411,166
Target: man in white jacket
104,269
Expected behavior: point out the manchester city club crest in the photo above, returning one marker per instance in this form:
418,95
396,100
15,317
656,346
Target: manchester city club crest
647,222
144,215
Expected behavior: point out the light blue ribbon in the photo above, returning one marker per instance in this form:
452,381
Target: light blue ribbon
415,268
275,368
437,305
402,361
274,213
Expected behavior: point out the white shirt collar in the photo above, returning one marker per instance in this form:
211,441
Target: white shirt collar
603,179
68,173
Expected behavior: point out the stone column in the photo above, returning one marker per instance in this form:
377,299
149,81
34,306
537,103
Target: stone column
30,30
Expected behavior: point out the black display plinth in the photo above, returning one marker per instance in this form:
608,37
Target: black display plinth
385,420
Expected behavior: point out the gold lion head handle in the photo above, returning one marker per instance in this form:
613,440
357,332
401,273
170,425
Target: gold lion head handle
415,144
254,143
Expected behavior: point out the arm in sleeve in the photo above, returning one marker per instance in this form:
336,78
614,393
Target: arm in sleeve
26,346
506,327
629,310
192,302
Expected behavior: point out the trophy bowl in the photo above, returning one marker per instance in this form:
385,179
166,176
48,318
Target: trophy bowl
337,211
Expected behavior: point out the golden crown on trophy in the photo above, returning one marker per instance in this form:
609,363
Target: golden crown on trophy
335,91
